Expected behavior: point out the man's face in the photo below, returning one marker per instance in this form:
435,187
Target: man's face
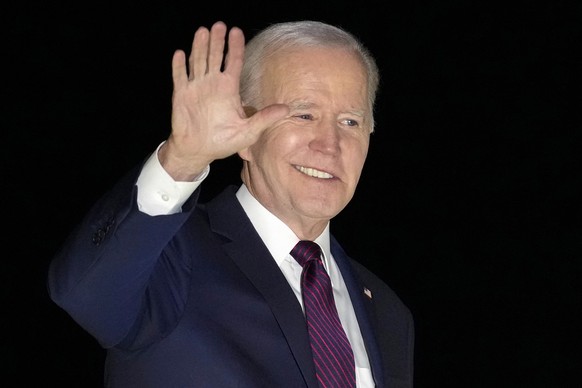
306,167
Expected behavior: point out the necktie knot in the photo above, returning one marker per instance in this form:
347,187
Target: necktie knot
305,251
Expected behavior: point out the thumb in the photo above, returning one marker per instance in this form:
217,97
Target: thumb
266,117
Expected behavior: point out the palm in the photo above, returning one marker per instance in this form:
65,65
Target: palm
208,119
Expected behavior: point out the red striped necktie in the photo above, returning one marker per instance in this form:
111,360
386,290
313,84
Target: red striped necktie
332,352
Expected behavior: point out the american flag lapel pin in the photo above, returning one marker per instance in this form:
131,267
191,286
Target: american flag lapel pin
368,292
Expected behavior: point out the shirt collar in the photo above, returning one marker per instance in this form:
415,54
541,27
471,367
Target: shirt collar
277,236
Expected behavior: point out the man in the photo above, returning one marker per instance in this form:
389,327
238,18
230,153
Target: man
184,294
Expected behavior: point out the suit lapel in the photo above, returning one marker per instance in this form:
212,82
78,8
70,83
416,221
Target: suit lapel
363,307
254,259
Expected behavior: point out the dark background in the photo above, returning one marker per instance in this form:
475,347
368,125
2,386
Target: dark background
468,203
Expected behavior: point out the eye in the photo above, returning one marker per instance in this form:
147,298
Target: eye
351,122
305,116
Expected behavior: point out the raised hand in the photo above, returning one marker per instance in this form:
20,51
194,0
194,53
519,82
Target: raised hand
208,119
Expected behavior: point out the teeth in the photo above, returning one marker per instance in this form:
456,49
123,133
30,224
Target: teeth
314,173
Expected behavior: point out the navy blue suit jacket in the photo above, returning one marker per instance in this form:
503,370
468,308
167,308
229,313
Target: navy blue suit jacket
195,300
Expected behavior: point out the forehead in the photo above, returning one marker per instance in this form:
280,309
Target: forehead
315,73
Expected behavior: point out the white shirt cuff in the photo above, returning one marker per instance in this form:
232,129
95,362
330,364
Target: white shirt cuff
158,193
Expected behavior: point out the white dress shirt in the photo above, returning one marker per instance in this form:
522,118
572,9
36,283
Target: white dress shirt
159,194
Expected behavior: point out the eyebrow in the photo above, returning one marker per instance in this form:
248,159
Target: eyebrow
298,105
301,105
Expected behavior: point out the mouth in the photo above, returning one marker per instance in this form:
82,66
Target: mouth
313,172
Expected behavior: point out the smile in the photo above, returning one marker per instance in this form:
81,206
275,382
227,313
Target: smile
313,172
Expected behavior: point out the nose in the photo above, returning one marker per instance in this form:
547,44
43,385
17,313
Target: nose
326,137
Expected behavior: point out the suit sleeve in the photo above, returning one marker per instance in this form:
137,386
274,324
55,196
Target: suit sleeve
104,273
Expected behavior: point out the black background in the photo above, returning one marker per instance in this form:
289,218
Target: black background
469,196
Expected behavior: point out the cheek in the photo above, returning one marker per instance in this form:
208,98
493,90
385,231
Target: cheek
283,141
358,158
359,146
265,153
365,146
257,151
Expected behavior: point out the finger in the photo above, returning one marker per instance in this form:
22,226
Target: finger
267,117
179,71
216,49
236,49
199,56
